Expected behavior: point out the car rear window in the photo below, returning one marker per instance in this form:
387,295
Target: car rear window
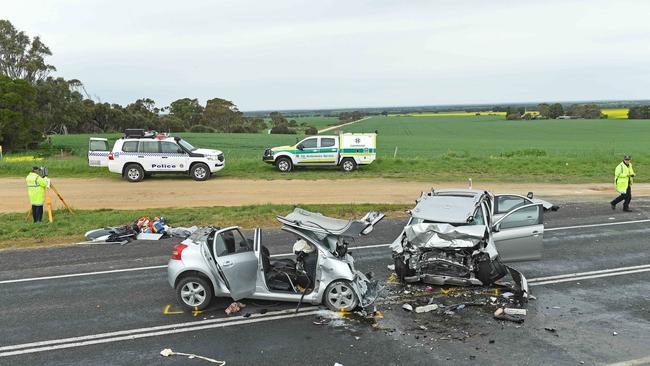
326,142
98,145
130,146
149,146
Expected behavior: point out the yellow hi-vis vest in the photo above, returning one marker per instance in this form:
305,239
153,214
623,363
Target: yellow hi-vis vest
36,189
622,175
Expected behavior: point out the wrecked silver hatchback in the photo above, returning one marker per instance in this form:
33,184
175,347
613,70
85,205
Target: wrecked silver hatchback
216,262
449,240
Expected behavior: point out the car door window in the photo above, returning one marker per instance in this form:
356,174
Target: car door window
508,203
327,142
231,242
309,143
130,146
98,145
167,147
149,146
478,217
525,216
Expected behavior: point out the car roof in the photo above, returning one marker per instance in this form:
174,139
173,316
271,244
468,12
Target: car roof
318,223
455,206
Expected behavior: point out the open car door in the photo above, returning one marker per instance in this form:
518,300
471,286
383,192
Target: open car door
98,152
519,234
316,222
504,203
236,262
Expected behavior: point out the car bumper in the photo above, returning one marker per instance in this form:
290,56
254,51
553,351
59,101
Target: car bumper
216,166
174,269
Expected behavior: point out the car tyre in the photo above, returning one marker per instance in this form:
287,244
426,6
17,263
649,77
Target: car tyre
348,165
284,165
200,172
194,293
402,270
134,173
340,296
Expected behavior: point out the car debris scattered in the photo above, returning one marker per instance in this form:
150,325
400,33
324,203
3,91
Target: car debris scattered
143,228
234,308
168,352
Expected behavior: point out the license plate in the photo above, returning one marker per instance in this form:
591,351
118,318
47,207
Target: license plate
95,162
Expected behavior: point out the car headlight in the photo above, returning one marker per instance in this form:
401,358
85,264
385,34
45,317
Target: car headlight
213,157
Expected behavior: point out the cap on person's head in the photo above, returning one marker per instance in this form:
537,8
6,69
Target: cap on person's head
35,168
627,157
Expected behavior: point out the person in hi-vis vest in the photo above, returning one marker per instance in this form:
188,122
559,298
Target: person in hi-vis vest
623,180
36,190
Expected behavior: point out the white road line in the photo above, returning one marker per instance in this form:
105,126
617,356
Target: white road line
573,279
580,274
276,255
148,329
83,274
638,361
156,333
596,225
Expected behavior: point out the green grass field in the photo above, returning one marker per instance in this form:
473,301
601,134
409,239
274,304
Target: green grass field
486,148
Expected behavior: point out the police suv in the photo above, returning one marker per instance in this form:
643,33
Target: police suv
139,154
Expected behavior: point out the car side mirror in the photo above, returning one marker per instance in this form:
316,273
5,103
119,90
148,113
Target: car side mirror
496,228
299,147
530,195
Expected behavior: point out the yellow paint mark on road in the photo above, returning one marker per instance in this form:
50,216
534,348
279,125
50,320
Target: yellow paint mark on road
196,311
167,310
392,279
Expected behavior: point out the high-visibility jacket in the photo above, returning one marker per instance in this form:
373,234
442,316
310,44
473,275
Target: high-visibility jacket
623,175
36,188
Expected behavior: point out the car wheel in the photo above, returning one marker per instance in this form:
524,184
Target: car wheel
340,296
348,165
200,171
284,165
402,270
134,173
194,293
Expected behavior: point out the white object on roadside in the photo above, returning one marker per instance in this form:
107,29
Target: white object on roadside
426,308
407,307
391,267
168,352
515,311
149,236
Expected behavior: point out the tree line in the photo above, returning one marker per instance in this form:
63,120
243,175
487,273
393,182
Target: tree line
555,110
34,104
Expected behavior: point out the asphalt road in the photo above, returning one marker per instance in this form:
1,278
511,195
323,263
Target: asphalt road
55,308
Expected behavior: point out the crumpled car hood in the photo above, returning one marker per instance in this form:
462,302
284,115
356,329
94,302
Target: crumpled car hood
426,235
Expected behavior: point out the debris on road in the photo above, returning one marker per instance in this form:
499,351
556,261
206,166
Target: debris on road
168,352
426,308
515,311
407,307
234,308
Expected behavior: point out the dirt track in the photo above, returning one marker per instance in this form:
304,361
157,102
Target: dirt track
181,192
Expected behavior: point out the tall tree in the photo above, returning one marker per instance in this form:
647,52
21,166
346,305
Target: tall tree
20,125
222,115
555,110
187,110
22,57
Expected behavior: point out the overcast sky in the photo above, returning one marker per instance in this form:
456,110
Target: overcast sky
277,54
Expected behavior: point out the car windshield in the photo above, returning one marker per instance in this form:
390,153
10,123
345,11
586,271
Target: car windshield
186,145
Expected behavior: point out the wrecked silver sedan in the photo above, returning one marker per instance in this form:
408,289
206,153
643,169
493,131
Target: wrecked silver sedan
217,262
462,237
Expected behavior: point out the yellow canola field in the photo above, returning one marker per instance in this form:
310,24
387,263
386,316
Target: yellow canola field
616,113
21,158
450,114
